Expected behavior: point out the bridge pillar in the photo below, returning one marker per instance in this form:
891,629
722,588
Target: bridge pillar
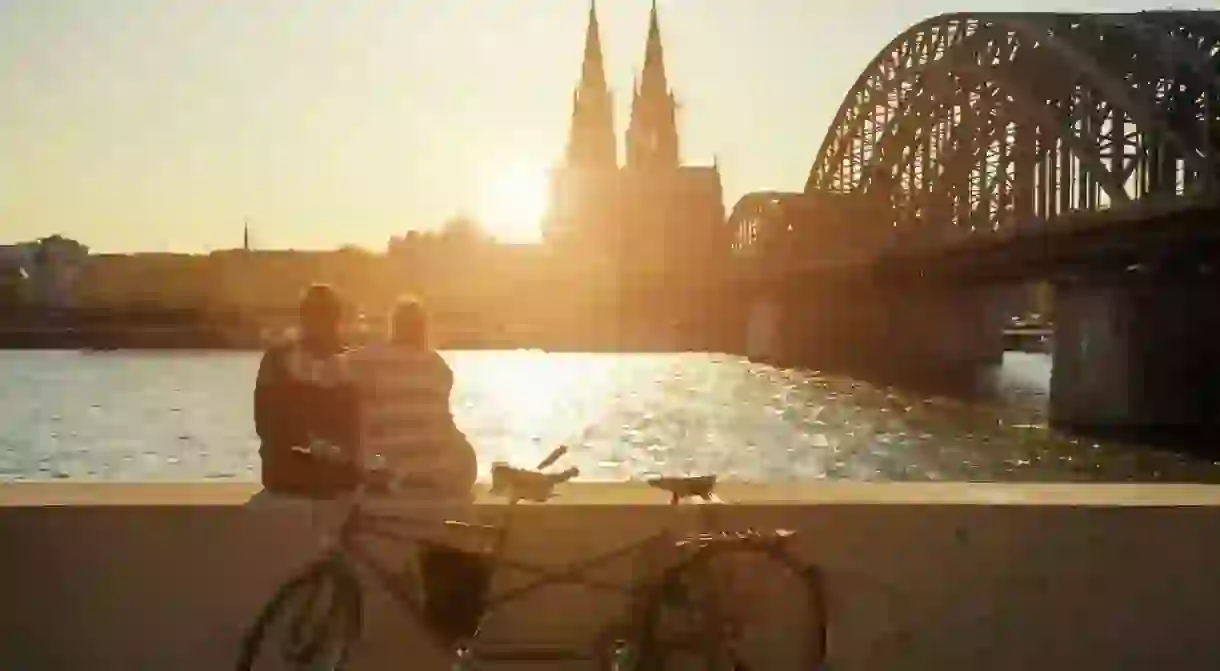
862,328
809,324
956,329
764,320
1137,355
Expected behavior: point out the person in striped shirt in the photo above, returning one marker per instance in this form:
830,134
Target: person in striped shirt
404,387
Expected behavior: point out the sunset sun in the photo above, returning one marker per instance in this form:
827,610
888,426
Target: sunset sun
512,207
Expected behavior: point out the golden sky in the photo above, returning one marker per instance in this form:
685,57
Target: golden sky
161,124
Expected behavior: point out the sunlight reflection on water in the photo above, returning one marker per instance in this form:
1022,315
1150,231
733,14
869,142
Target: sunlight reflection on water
186,416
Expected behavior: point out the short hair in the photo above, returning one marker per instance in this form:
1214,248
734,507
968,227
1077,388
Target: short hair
321,302
409,322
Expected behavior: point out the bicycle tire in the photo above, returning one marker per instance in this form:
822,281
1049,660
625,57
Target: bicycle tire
659,647
342,616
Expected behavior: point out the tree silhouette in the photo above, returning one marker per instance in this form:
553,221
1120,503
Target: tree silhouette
354,250
463,230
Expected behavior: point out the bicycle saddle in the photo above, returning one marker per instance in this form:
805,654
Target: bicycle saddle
527,485
700,486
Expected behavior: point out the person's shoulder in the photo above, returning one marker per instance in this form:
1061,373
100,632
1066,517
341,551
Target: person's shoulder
360,361
275,359
439,364
279,347
437,358
289,359
363,353
279,350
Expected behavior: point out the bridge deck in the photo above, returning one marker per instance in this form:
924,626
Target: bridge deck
1115,238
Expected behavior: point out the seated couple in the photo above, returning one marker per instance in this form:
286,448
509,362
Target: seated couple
322,410
389,399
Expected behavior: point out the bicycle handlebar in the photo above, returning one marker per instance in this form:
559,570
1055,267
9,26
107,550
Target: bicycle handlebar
509,481
530,485
564,476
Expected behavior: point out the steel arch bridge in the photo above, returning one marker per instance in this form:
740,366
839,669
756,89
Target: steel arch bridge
967,124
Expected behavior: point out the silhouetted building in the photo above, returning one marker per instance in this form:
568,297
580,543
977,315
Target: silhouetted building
653,212
48,269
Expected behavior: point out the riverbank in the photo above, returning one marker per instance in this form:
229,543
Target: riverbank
952,576
205,336
214,339
128,338
219,339
210,337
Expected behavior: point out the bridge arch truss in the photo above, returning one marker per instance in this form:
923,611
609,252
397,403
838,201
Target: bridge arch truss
969,123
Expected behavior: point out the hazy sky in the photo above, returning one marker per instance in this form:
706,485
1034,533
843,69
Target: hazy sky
160,124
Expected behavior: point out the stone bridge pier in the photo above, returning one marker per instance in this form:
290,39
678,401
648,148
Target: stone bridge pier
858,326
1137,354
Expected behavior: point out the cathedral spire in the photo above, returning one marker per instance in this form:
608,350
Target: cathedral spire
591,141
654,57
652,135
593,69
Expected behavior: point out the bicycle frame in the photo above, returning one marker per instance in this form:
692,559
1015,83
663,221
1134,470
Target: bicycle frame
404,531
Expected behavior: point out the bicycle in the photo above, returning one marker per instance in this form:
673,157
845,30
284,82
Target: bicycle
645,641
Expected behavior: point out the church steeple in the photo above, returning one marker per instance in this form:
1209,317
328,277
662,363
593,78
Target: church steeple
593,68
654,81
591,140
652,135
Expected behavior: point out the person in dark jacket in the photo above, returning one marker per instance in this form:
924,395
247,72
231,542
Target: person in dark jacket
306,414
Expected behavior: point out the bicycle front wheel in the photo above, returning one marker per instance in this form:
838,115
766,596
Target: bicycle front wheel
310,624
737,606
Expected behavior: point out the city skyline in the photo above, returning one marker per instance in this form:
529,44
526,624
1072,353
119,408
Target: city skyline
162,126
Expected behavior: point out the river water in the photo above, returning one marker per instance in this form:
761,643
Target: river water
187,417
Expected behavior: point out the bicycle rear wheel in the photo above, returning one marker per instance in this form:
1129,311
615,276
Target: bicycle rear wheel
310,624
736,606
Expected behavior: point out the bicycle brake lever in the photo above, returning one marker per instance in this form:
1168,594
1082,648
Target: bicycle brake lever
563,476
552,457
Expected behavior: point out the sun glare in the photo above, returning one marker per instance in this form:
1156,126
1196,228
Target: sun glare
512,208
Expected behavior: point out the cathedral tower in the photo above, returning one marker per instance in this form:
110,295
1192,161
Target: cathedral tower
652,135
591,140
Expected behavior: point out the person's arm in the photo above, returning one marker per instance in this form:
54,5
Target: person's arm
462,467
446,377
269,400
350,443
446,374
352,370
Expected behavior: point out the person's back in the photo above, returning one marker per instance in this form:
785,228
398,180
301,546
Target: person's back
404,389
302,398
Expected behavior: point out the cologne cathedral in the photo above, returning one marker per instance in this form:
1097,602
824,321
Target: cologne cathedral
652,214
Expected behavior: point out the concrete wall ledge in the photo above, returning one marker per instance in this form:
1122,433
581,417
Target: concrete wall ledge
132,577
20,494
